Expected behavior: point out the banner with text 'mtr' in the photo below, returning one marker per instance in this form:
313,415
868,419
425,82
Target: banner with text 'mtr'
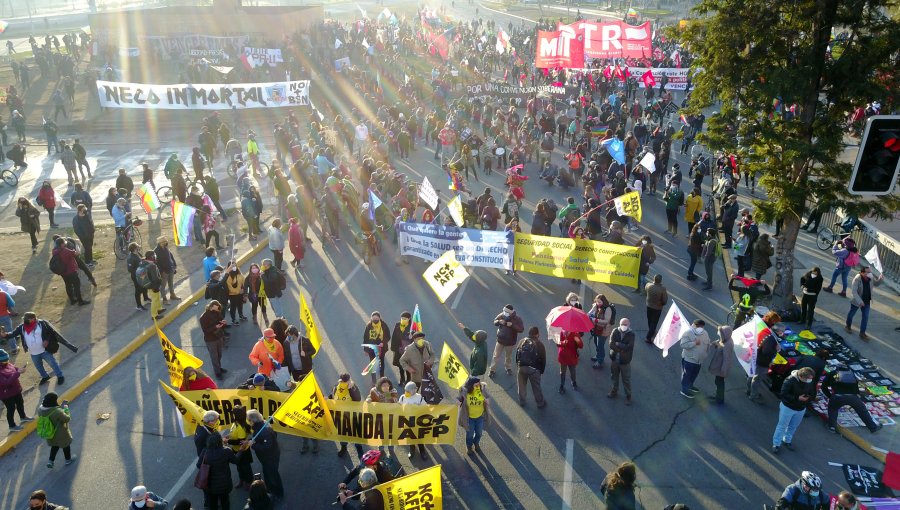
197,96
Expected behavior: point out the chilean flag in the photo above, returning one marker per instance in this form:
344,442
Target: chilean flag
648,79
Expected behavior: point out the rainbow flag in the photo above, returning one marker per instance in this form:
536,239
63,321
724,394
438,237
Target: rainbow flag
599,131
416,321
3,25
683,119
182,221
149,200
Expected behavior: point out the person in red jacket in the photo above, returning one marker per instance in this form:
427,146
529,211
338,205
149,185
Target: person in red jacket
70,271
11,391
46,198
295,243
196,379
567,355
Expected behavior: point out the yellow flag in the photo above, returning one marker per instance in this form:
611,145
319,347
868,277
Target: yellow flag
779,360
306,411
451,369
629,204
456,211
312,332
192,413
445,274
412,492
176,359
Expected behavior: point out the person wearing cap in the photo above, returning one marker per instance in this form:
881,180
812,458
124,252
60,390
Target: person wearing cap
474,412
346,389
38,501
418,357
11,391
509,325
59,417
401,338
478,357
412,397
267,354
531,358
142,498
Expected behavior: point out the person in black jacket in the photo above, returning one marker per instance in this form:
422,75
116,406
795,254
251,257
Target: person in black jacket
132,262
267,451
509,325
376,333
275,283
531,358
796,392
38,501
83,225
80,196
764,356
298,352
167,269
219,482
842,389
811,286
401,338
42,344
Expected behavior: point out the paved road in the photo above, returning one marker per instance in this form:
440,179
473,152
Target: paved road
687,451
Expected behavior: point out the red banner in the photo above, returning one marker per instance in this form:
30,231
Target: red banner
559,49
612,39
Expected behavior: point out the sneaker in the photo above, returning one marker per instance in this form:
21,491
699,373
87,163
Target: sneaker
789,446
562,390
175,298
50,465
833,429
508,371
60,380
695,389
776,449
235,323
612,394
161,310
686,395
27,419
828,290
44,380
70,461
141,308
15,428
628,400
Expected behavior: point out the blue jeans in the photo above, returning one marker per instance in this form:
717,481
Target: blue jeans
693,263
46,356
865,317
788,421
843,271
6,324
599,342
275,303
476,427
689,373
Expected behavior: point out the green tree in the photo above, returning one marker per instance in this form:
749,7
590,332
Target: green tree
762,57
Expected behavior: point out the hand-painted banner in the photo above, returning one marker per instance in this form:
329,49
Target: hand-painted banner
559,49
203,96
503,90
612,39
580,259
474,248
451,370
269,56
355,422
671,329
418,491
746,343
678,77
184,44
445,275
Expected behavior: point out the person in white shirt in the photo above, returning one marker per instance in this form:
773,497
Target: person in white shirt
41,340
362,135
412,396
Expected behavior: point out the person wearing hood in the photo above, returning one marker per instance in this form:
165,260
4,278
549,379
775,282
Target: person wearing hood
59,417
11,391
401,338
346,389
478,357
474,412
720,361
296,243
268,353
796,393
694,347
531,359
509,325
142,498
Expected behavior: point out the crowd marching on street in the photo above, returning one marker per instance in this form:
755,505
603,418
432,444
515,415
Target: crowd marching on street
333,170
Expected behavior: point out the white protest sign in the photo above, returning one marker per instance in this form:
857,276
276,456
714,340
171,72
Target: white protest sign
874,260
673,326
649,162
445,274
428,194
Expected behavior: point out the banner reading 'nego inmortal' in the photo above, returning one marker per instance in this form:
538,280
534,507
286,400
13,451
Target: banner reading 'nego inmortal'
196,96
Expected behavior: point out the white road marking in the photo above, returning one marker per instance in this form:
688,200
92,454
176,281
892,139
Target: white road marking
346,280
181,481
459,294
567,477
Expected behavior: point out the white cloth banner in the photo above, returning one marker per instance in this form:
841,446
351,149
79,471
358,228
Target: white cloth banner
670,330
474,247
746,343
203,96
678,77
874,260
445,275
649,162
456,210
185,43
261,56
428,194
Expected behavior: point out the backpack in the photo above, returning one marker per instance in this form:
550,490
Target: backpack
142,275
718,250
570,216
852,259
528,354
45,428
56,264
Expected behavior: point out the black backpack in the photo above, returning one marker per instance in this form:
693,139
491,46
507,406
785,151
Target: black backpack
528,356
56,264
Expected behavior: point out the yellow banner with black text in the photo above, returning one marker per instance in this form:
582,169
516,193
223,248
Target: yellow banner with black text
580,259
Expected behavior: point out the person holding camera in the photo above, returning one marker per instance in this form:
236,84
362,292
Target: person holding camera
796,392
58,436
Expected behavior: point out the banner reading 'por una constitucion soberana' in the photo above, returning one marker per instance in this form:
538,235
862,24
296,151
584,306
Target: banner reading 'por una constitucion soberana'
196,96
581,259
355,422
474,248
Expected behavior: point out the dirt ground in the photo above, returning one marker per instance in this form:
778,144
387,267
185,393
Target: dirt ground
111,302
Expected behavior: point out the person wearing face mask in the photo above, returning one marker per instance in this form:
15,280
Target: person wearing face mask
603,314
621,350
804,494
38,501
83,225
720,362
412,397
570,343
573,301
142,498
861,299
810,285
165,261
267,354
29,220
694,347
648,257
796,392
401,339
478,357
46,198
712,250
509,326
418,357
193,379
59,416
376,333
474,412
234,282
212,322
42,341
346,389
298,351
256,293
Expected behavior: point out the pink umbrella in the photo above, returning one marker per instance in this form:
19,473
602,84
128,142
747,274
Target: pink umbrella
569,318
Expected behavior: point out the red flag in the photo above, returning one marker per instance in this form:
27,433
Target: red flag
522,80
505,75
607,71
618,73
648,79
891,476
591,79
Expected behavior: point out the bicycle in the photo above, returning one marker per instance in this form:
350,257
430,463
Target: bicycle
165,194
238,162
760,298
125,236
10,177
827,237
371,243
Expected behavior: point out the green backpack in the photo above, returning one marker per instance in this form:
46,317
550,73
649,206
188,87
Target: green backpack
45,428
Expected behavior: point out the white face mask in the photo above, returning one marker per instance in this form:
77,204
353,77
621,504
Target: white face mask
814,275
505,313
644,243
624,328
698,330
573,302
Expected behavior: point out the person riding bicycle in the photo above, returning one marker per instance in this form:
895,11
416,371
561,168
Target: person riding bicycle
172,164
804,494
120,216
368,225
